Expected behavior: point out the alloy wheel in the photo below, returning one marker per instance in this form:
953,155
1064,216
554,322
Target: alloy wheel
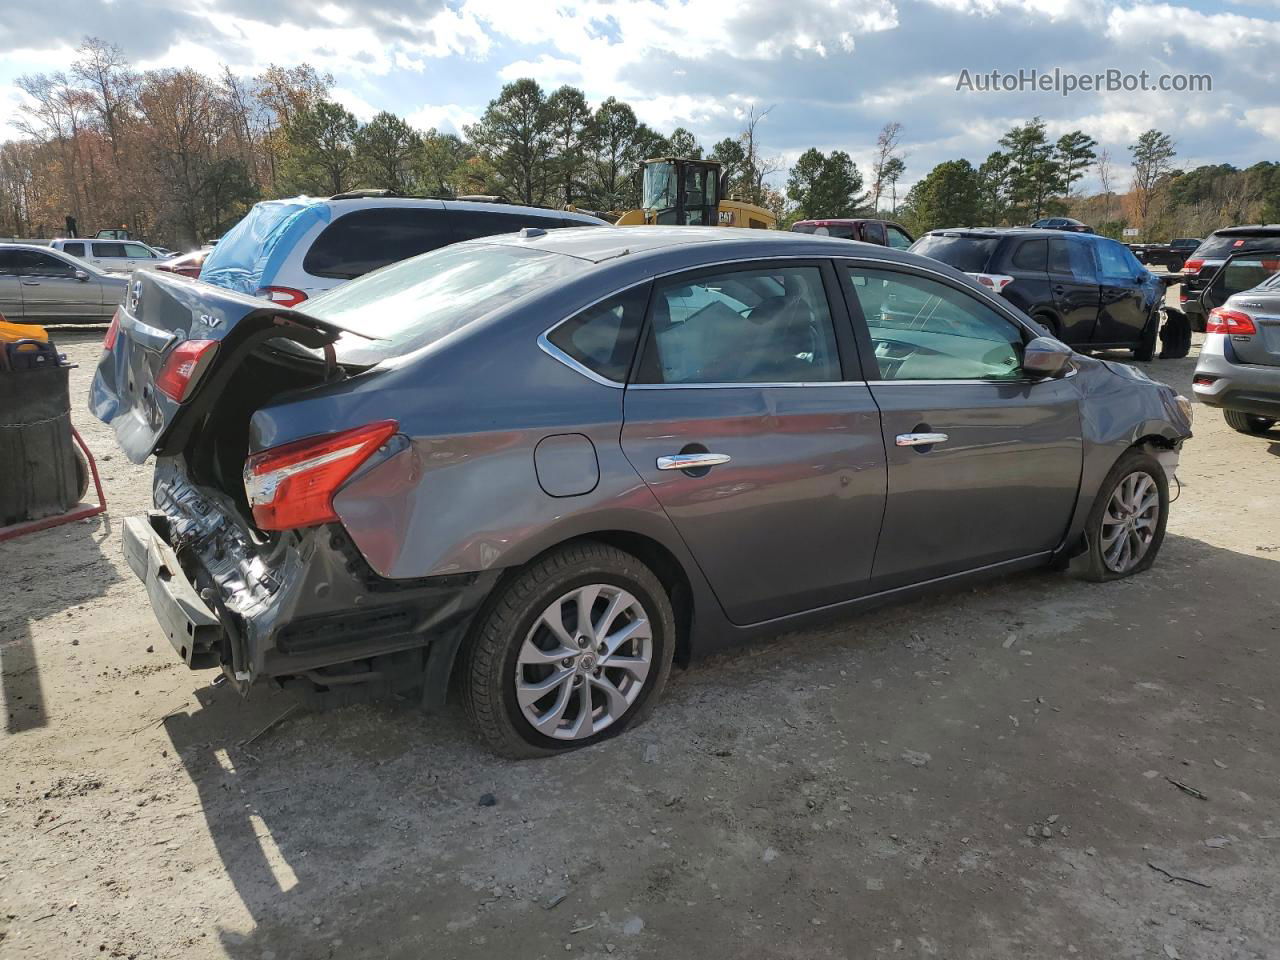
584,662
1129,521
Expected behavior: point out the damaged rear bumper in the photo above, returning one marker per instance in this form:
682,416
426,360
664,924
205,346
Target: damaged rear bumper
300,604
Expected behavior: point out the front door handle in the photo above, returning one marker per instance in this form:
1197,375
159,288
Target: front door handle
692,461
31,283
920,439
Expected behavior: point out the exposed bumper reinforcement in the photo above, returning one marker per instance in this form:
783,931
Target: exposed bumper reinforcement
186,620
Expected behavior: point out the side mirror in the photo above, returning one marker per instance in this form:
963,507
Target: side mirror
1046,357
82,276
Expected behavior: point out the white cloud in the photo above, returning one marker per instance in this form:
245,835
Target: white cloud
363,110
446,117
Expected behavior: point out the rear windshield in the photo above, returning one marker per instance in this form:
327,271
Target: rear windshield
414,303
1220,246
254,247
843,231
969,254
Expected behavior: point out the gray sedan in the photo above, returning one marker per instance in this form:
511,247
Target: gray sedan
1239,366
40,285
546,465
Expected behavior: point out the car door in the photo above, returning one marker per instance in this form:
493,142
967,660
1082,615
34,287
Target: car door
108,255
1073,276
747,419
52,291
983,461
1122,294
10,285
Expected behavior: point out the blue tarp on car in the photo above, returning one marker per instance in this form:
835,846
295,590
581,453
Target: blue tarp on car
248,257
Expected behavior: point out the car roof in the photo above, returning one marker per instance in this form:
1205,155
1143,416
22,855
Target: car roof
821,221
342,204
1265,229
598,244
987,233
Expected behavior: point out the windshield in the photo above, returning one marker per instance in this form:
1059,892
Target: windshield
416,302
659,186
969,254
252,249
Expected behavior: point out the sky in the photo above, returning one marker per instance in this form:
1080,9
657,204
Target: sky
830,73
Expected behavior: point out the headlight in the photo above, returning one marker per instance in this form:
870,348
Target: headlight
1185,406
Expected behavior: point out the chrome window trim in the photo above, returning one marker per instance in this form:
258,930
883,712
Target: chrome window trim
745,384
556,353
836,261
935,383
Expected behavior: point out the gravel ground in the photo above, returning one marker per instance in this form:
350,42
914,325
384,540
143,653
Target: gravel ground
987,774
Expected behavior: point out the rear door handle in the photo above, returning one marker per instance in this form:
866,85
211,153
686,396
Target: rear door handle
31,283
692,461
920,439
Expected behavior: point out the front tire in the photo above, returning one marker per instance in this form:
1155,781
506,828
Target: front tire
572,650
1247,422
1126,526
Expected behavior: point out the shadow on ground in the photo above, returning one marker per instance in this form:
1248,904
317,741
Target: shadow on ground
767,810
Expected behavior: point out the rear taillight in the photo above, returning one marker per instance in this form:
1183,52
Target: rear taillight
293,485
1192,266
1229,321
993,281
284,296
184,367
113,331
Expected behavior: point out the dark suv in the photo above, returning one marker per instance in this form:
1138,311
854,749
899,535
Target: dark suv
884,232
1089,291
1201,266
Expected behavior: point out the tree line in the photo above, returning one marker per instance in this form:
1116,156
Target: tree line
178,156
1034,177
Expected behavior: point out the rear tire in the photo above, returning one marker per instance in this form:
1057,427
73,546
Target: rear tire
1175,335
1247,422
532,637
1126,525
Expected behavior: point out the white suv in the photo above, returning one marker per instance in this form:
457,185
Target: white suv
117,256
289,250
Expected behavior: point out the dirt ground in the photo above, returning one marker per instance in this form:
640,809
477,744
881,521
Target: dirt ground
986,774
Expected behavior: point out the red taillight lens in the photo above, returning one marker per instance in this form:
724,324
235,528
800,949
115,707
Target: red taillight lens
183,368
1192,266
284,296
1229,321
113,331
293,485
993,281
1203,380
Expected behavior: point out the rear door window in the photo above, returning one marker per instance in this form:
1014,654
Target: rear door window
138,252
108,249
602,338
760,325
365,240
969,254
873,232
74,249
1031,255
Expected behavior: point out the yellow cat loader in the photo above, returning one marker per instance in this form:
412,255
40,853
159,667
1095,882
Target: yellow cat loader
680,192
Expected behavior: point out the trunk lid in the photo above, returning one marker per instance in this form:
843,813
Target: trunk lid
160,314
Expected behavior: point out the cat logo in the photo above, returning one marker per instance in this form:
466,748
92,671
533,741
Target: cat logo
726,218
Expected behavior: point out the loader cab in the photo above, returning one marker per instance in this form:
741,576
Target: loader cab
679,192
